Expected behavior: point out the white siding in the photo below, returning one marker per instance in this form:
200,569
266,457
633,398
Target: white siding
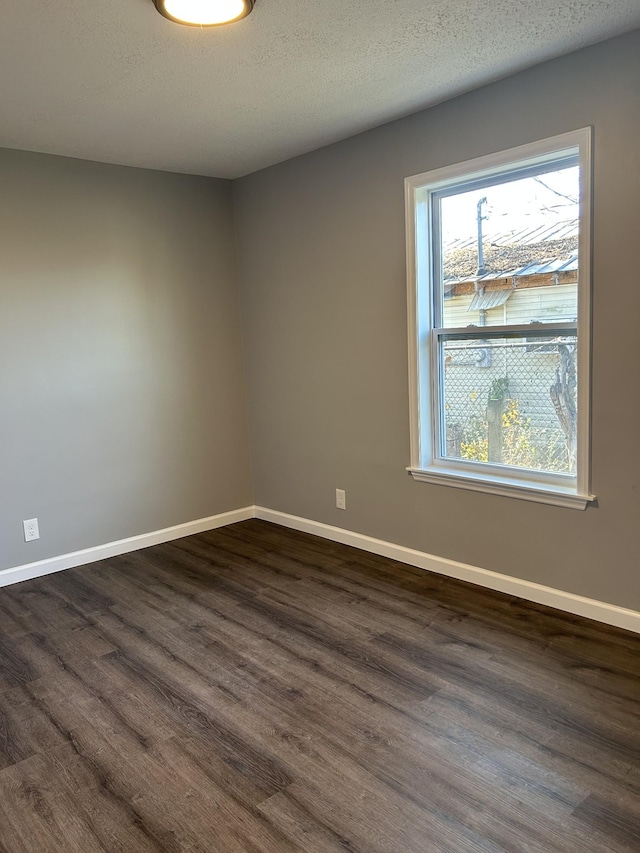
552,304
543,303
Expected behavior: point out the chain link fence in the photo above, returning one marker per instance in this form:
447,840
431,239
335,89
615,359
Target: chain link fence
512,402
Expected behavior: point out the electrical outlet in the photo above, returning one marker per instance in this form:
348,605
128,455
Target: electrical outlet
31,531
341,499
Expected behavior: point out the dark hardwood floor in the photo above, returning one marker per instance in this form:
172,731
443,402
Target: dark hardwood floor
257,689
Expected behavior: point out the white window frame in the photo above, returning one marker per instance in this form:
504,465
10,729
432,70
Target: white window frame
427,462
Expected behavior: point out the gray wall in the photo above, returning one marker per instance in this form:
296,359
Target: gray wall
122,398
322,273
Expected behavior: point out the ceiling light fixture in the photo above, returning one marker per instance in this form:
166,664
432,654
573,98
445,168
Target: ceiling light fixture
204,13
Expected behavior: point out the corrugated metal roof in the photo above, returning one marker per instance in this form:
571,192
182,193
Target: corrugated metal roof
485,301
538,234
542,268
543,249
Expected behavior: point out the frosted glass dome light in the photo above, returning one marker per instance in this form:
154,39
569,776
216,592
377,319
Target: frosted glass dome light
204,13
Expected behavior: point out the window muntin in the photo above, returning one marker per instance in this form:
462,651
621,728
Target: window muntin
489,405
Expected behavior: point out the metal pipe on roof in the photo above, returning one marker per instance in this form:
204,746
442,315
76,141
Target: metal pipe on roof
481,270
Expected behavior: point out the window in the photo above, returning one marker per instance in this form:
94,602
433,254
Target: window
499,322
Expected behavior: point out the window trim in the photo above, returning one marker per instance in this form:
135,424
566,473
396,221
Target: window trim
557,489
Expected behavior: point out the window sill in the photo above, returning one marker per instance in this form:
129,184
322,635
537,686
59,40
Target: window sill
523,490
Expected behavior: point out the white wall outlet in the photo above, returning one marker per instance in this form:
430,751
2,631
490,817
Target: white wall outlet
31,530
341,499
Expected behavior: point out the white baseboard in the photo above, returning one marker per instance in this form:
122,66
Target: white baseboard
122,546
601,611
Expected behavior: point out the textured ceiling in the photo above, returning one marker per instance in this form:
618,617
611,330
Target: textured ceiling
116,82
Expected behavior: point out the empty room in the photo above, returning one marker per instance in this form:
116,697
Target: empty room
319,427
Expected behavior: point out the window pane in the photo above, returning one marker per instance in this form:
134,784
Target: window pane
509,251
511,402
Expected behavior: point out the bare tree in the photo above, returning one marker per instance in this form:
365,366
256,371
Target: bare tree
563,397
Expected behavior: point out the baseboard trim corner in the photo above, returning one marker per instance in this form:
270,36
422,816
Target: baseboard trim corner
600,611
50,565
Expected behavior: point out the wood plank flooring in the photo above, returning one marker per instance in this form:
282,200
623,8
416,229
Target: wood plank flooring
257,689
